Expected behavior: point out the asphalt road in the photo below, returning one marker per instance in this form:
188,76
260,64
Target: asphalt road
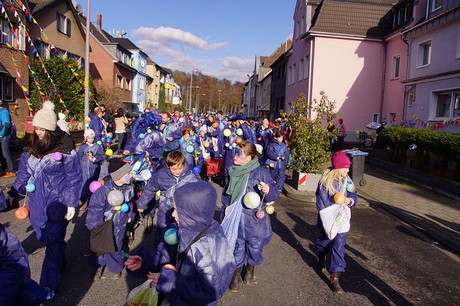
389,263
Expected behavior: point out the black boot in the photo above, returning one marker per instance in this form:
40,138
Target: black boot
249,274
335,282
236,280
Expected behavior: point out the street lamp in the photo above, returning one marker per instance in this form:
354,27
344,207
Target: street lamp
220,91
191,87
197,105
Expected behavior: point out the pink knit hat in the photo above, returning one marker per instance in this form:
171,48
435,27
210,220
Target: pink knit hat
340,160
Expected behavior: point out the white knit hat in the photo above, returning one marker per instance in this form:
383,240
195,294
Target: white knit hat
46,117
89,133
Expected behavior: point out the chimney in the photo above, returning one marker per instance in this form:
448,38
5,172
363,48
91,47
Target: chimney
99,21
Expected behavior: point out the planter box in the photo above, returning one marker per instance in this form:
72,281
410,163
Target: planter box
305,181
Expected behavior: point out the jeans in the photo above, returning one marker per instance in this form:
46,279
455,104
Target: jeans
5,146
121,138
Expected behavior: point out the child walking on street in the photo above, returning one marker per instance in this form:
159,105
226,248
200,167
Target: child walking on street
334,188
202,271
91,156
167,179
277,155
112,201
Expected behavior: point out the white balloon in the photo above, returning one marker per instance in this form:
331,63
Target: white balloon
251,200
115,198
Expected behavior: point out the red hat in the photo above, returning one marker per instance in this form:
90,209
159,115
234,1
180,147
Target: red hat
340,120
340,160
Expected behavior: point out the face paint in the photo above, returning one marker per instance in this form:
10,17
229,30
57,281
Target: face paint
239,153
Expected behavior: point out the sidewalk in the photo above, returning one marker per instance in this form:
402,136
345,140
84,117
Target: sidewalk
432,213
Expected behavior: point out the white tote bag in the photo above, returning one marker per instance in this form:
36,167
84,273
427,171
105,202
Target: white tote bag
336,219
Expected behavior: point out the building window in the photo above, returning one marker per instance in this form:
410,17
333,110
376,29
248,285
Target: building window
436,5
22,38
395,67
403,14
294,69
301,67
424,54
376,117
141,83
6,32
447,104
458,44
307,67
289,75
6,89
128,84
119,81
63,24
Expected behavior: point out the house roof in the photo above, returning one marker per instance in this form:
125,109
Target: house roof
360,18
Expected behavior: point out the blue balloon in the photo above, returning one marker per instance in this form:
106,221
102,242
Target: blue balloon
189,149
124,207
108,140
196,170
30,187
141,136
170,236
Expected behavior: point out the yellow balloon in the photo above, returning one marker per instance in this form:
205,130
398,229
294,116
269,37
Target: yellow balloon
206,144
158,193
227,132
108,152
118,207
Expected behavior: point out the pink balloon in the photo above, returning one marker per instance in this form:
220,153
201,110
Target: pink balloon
57,156
93,186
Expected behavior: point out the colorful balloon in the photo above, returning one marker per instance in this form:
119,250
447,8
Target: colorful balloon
99,142
196,170
260,214
21,213
57,156
118,207
339,198
350,187
270,209
251,200
227,132
94,185
115,198
141,136
109,152
170,236
30,187
239,132
124,207
206,144
189,149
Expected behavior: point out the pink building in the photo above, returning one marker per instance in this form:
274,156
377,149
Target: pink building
378,60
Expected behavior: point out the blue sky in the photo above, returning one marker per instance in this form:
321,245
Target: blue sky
219,37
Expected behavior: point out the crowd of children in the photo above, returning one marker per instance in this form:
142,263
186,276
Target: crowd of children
164,158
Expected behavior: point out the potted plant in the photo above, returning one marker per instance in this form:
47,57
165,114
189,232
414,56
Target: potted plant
309,144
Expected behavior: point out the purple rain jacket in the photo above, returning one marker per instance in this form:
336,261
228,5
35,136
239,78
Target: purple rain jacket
205,272
97,126
152,142
57,179
259,231
16,286
90,169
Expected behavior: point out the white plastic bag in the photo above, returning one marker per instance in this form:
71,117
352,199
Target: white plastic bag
336,219
132,299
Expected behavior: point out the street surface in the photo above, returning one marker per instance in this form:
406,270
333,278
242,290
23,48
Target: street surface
389,263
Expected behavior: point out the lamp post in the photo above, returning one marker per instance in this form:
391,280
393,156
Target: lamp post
220,91
86,81
197,105
191,87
